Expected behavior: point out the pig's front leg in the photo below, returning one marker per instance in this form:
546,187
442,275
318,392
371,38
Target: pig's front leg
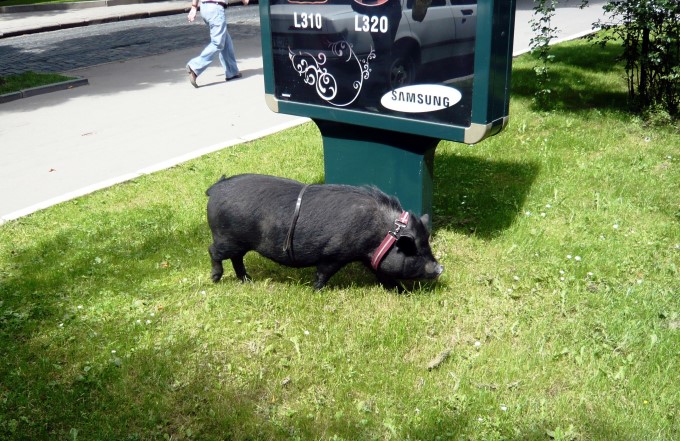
389,283
325,271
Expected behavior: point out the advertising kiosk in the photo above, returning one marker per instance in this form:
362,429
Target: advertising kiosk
386,80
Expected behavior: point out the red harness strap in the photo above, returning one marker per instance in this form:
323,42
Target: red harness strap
389,240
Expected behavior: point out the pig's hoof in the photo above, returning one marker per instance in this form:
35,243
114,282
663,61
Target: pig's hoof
216,277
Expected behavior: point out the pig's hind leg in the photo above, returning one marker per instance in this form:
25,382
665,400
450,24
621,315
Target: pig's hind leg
218,254
217,268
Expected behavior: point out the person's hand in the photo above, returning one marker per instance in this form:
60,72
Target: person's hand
245,2
192,14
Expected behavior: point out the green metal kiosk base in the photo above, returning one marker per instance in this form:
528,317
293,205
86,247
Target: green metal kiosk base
399,164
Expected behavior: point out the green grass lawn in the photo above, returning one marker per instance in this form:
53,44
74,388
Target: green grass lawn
26,80
559,303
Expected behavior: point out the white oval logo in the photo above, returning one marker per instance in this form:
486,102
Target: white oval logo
420,98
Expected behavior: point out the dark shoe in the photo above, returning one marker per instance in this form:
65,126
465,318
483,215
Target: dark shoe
235,77
192,77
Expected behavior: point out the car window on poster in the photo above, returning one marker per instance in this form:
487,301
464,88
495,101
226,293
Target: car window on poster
411,58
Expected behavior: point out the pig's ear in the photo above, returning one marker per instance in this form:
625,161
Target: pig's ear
407,245
425,219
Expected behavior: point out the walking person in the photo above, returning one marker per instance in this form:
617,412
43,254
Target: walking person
214,15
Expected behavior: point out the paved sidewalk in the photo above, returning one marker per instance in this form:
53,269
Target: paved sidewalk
141,115
135,117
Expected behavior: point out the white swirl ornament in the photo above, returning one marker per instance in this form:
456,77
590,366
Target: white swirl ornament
421,98
316,71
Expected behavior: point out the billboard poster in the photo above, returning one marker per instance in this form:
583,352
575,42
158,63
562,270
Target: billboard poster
407,58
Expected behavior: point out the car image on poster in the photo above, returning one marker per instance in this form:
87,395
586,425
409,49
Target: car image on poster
412,58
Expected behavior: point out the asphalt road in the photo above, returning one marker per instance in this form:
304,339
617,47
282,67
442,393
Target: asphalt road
75,48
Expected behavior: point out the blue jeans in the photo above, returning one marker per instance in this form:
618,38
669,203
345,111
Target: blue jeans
220,42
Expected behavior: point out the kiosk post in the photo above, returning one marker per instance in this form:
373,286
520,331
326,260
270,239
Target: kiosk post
397,163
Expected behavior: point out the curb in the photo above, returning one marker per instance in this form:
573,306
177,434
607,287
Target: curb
34,91
40,7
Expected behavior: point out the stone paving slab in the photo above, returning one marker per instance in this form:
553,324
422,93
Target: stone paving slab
113,42
39,7
21,23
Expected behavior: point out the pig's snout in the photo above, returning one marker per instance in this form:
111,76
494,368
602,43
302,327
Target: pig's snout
434,270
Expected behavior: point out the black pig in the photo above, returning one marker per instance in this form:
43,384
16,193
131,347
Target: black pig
322,225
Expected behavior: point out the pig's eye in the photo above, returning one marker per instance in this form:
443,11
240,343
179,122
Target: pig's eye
407,245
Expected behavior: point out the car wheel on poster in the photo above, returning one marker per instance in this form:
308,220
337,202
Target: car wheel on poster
403,67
